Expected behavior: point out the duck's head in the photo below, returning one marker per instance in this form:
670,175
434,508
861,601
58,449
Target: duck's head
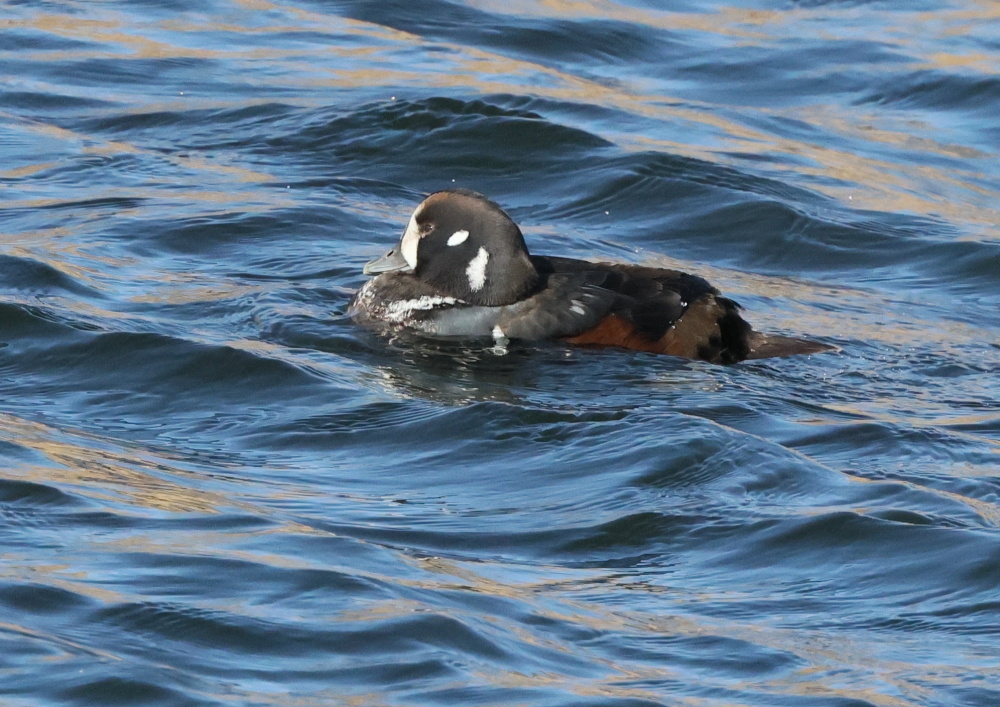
465,246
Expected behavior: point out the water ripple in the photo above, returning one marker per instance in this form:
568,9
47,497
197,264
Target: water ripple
217,490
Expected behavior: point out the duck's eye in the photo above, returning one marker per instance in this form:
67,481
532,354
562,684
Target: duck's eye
458,237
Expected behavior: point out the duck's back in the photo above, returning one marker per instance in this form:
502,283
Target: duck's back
670,312
659,310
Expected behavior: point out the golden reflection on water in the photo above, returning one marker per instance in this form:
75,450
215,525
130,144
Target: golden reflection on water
83,463
562,596
373,58
109,475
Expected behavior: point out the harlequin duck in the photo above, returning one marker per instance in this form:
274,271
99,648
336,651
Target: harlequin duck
462,269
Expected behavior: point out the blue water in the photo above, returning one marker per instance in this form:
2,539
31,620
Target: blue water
216,490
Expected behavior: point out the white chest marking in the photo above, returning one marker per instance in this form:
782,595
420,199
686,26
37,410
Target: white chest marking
458,237
400,310
476,271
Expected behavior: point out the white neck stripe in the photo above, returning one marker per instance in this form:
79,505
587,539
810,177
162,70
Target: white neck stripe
476,272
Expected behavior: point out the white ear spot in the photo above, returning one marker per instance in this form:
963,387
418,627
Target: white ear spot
476,272
458,237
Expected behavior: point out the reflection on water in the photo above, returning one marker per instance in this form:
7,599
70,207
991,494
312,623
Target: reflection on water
217,490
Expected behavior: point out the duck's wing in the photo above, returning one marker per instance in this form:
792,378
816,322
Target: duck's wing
566,304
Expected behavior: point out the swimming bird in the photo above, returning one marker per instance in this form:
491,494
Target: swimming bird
462,269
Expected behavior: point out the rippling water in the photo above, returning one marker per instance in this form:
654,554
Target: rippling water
216,490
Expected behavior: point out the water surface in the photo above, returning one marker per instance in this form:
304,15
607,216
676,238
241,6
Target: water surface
216,490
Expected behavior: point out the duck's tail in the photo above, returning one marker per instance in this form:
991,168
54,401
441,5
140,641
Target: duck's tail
777,346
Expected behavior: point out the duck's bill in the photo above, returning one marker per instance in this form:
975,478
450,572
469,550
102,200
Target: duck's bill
392,261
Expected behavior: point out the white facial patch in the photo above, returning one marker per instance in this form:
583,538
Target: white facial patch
411,238
458,237
476,271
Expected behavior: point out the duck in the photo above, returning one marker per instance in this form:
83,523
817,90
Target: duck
462,269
